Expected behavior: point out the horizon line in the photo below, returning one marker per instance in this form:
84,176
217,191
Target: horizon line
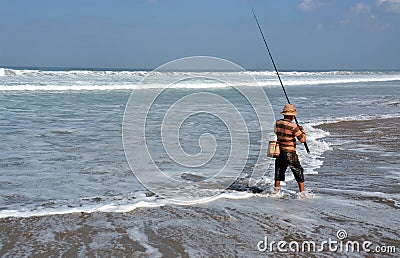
70,68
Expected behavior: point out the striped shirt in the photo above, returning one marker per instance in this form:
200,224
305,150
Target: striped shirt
286,133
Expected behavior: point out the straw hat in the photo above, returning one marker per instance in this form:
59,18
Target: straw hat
289,110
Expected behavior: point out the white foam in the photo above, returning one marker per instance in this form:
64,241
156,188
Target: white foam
117,207
110,87
311,162
122,206
137,234
67,88
36,72
394,197
75,80
361,117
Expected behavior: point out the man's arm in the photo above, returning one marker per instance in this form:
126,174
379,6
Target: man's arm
300,133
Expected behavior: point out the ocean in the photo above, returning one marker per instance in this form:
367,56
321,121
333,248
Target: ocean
137,163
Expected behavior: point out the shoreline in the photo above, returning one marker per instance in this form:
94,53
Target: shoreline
351,195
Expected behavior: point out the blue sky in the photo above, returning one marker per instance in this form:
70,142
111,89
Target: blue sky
302,34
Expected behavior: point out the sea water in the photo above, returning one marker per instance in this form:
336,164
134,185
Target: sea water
61,139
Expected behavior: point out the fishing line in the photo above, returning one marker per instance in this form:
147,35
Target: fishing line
277,73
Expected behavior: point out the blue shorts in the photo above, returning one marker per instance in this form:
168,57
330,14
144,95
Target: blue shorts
288,159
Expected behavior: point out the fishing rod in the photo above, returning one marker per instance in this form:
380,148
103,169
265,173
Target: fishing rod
277,73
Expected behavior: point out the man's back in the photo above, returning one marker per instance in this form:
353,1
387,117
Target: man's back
286,132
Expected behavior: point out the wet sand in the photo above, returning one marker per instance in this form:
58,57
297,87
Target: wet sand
366,154
356,190
378,134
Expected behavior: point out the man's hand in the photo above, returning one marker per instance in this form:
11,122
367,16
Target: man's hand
302,129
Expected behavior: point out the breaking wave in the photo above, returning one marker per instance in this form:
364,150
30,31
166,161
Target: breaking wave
76,80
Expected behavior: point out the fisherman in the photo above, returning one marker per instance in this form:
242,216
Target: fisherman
286,133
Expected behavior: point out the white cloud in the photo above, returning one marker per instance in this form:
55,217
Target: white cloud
307,5
390,6
364,15
361,9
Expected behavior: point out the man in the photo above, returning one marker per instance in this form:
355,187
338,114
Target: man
287,132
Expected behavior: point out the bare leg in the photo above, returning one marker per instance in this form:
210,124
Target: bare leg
301,186
277,186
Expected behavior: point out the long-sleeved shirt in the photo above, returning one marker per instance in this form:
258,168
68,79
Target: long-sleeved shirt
286,133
